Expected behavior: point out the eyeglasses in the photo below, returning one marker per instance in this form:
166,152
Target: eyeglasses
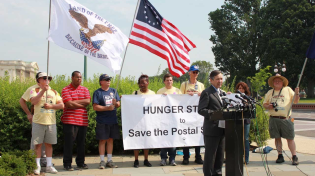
45,77
195,72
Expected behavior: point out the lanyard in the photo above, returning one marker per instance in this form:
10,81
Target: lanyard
278,94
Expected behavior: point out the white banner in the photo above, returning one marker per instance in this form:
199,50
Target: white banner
161,121
77,28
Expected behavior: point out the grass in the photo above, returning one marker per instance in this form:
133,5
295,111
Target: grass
307,100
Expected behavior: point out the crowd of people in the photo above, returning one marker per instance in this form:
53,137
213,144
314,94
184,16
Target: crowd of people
75,98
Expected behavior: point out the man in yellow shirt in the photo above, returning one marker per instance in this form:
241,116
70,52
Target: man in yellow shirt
168,89
191,87
26,98
46,101
278,103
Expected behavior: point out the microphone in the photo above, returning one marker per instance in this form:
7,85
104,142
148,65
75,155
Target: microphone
237,96
245,96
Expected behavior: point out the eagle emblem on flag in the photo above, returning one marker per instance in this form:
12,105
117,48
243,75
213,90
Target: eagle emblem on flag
86,33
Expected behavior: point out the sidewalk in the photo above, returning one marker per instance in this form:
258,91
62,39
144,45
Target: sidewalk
305,148
306,156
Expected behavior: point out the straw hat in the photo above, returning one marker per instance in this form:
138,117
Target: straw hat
285,81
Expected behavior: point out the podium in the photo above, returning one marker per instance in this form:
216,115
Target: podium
234,145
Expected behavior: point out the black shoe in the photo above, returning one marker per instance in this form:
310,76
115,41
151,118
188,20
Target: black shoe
280,159
185,162
68,168
136,164
82,166
147,163
295,160
199,161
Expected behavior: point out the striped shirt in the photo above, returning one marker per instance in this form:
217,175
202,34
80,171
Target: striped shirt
75,116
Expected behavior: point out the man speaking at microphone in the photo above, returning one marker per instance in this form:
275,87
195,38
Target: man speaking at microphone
212,130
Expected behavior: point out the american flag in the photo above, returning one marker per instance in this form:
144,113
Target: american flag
92,46
159,36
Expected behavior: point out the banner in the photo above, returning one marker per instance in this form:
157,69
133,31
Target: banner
161,121
77,28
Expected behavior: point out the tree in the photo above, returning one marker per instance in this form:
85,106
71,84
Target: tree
237,37
259,80
252,34
288,29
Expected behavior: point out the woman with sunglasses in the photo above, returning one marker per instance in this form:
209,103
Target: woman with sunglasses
143,83
191,87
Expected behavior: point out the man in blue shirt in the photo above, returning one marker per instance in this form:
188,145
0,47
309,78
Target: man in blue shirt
105,102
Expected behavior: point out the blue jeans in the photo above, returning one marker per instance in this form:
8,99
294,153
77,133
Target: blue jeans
171,153
246,136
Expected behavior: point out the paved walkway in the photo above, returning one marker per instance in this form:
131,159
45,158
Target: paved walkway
305,148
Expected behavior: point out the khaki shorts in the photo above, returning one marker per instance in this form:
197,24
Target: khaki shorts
281,128
44,134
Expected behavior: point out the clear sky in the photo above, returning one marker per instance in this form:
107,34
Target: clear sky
24,29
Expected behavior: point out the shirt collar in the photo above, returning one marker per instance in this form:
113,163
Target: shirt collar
217,90
74,87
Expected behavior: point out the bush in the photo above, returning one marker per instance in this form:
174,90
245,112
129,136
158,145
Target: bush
17,163
259,127
15,129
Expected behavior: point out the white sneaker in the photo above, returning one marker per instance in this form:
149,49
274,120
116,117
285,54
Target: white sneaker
51,169
37,170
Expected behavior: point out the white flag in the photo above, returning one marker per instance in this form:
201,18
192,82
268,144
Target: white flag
77,28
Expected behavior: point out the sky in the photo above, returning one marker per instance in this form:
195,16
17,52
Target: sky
24,31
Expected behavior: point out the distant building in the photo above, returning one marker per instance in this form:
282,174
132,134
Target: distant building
18,69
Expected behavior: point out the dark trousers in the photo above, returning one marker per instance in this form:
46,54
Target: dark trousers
73,133
186,152
171,153
214,155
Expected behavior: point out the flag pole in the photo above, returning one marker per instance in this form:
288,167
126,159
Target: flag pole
297,85
126,47
48,45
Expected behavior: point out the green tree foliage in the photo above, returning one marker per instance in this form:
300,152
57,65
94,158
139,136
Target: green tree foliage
259,80
288,29
237,37
252,34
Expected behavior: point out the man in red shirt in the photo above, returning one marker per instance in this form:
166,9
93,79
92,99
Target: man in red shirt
75,121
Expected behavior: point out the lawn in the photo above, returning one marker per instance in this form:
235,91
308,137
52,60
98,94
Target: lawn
307,100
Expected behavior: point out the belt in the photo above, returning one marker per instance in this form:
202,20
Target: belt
279,117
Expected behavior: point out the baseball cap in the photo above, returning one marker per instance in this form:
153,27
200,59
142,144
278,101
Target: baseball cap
104,76
193,68
43,74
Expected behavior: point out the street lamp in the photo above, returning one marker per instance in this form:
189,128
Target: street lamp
280,68
227,79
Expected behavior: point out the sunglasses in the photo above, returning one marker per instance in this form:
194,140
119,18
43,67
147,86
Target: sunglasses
195,72
106,79
45,77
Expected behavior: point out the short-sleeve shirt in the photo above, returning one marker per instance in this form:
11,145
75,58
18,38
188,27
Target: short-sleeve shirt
172,90
149,92
76,116
283,100
186,87
41,115
104,98
26,95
